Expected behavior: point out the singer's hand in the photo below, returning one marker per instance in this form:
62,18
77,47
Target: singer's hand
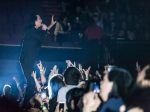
53,21
44,27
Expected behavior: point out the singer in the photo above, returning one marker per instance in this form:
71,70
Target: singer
35,33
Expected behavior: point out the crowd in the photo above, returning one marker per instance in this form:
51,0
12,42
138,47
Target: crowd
77,89
107,19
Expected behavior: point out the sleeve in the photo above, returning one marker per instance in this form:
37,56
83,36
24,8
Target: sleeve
59,96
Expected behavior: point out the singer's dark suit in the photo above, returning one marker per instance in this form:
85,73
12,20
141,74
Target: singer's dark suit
30,49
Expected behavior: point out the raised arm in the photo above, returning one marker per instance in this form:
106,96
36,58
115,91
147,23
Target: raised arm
87,72
141,81
21,96
138,67
53,22
70,64
38,86
42,72
53,71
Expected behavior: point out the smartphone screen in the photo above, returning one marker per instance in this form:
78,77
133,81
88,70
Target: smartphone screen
96,88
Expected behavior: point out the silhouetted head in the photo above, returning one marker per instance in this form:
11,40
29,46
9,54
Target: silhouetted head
72,76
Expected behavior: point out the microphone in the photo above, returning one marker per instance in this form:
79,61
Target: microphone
45,28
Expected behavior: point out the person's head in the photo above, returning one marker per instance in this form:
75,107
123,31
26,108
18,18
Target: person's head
107,68
54,85
38,21
7,90
73,96
116,83
35,21
33,103
72,76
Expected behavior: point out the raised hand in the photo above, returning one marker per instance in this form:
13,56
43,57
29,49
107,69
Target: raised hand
74,64
141,81
42,72
33,74
138,67
21,96
80,67
54,70
69,63
52,20
98,74
87,72
41,68
81,70
15,79
38,86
